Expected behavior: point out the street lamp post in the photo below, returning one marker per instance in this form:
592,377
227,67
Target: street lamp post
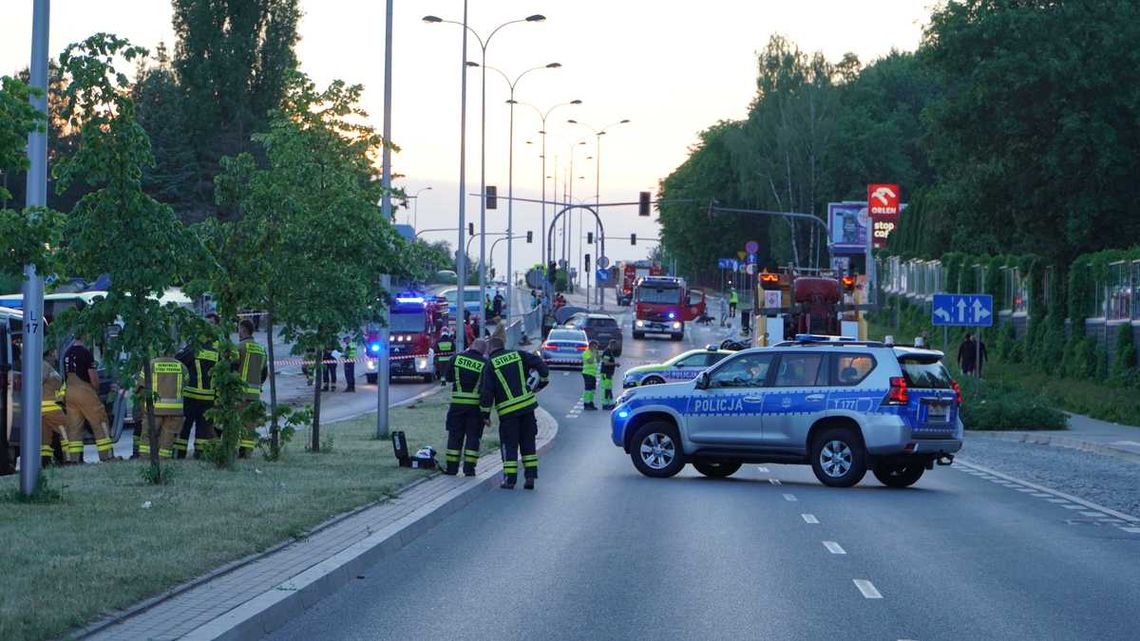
416,205
511,177
598,133
483,43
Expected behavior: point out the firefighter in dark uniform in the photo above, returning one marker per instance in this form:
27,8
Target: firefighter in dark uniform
608,367
349,364
510,381
198,398
464,416
444,351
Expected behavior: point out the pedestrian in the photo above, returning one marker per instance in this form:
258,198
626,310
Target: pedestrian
53,422
349,364
497,305
723,311
328,360
82,403
444,352
198,398
167,380
510,381
733,301
464,414
968,355
252,366
608,368
488,306
533,299
589,375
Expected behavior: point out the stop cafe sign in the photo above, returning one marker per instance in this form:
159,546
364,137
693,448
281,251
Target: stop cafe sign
883,207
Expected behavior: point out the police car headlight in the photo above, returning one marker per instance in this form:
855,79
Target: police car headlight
624,398
640,323
676,326
629,381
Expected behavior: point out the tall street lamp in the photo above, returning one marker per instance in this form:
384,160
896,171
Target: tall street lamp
416,205
598,133
568,226
511,178
483,43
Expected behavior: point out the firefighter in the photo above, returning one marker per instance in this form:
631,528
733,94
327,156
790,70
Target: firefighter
444,351
349,364
464,415
510,380
589,375
198,398
82,403
53,422
252,366
609,366
168,377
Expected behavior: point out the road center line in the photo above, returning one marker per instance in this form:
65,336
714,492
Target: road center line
834,547
810,518
867,588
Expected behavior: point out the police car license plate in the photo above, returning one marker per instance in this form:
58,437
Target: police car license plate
938,412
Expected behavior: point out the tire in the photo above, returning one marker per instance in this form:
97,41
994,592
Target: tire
837,457
638,336
718,469
652,380
899,475
371,378
678,337
663,456
429,378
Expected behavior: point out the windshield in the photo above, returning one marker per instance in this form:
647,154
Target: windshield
406,322
665,295
469,295
926,374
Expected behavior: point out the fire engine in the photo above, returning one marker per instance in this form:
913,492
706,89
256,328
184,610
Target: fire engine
630,272
412,336
662,304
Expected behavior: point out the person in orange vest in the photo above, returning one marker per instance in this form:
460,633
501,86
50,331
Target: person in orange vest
252,365
53,422
168,378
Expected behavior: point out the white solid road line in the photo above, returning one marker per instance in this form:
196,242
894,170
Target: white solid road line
867,588
810,518
834,547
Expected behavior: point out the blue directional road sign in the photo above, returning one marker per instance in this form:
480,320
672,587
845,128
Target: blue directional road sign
963,310
727,263
602,276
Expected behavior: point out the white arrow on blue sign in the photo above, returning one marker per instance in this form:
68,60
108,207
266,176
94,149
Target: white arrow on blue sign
962,310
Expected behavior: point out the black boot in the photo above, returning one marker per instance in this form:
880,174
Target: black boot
528,484
589,406
508,483
468,470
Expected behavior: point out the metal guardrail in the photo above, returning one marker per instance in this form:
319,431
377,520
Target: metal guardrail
526,327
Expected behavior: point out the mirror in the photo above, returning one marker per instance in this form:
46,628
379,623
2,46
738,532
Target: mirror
702,380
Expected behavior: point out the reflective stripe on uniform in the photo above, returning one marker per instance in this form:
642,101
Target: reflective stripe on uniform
102,445
530,461
50,406
199,390
452,456
470,456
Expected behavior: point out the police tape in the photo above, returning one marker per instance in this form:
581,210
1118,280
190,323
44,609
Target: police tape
360,359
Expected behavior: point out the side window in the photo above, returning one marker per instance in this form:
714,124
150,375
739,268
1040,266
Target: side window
851,369
696,360
716,357
801,370
749,370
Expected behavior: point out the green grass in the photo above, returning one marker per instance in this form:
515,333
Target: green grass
95,548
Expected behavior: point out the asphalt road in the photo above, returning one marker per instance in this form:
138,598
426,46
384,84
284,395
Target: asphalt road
600,552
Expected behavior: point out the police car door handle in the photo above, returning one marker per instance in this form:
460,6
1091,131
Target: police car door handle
814,397
753,399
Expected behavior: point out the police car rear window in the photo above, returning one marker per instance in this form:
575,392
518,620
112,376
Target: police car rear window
925,374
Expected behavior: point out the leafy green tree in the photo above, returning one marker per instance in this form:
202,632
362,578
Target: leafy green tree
161,112
116,228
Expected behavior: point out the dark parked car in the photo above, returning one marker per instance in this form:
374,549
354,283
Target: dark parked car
598,327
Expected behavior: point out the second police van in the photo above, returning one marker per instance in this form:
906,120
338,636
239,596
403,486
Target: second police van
843,407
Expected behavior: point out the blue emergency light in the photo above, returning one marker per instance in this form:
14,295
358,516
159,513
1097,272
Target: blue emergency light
672,315
410,299
374,348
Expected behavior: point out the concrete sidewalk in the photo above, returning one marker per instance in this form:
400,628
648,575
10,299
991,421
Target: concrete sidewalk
259,594
1084,433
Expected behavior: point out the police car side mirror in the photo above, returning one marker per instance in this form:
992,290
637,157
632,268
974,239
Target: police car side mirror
702,380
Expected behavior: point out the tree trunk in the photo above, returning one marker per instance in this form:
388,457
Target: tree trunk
274,429
315,445
152,433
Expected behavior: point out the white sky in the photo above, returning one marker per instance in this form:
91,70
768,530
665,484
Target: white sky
673,68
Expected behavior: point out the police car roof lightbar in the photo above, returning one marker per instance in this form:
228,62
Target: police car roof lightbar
410,299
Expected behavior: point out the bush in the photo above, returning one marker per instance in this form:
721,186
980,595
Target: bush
1124,360
994,405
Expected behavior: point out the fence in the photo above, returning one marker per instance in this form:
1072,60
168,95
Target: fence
525,327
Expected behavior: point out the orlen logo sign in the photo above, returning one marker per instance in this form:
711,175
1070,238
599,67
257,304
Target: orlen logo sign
883,206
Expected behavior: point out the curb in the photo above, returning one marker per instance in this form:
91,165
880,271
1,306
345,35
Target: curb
274,608
126,613
1046,438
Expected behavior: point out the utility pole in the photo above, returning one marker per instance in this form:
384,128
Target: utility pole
384,362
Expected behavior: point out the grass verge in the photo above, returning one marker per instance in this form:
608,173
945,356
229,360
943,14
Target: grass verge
109,540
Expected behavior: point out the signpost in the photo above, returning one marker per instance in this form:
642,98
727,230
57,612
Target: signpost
883,206
964,310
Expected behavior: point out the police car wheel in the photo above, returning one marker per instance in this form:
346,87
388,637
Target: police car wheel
837,457
717,470
657,450
899,474
653,380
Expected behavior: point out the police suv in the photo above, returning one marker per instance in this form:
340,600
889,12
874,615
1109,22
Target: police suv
841,406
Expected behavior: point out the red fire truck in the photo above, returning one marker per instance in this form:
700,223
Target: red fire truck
412,336
662,304
630,272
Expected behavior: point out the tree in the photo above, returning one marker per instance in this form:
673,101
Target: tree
116,228
161,112
233,60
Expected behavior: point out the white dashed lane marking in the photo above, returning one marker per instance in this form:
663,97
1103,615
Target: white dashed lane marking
790,497
867,588
774,481
834,547
810,519
762,469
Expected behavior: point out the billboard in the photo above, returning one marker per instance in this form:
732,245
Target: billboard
883,201
850,226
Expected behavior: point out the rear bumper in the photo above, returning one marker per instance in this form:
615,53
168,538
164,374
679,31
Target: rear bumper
886,435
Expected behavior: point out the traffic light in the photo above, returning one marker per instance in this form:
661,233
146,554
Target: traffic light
492,197
492,272
551,269
470,229
643,204
587,269
530,237
589,238
633,239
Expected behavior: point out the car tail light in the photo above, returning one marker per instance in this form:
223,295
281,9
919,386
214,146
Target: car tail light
581,348
547,346
897,395
957,390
